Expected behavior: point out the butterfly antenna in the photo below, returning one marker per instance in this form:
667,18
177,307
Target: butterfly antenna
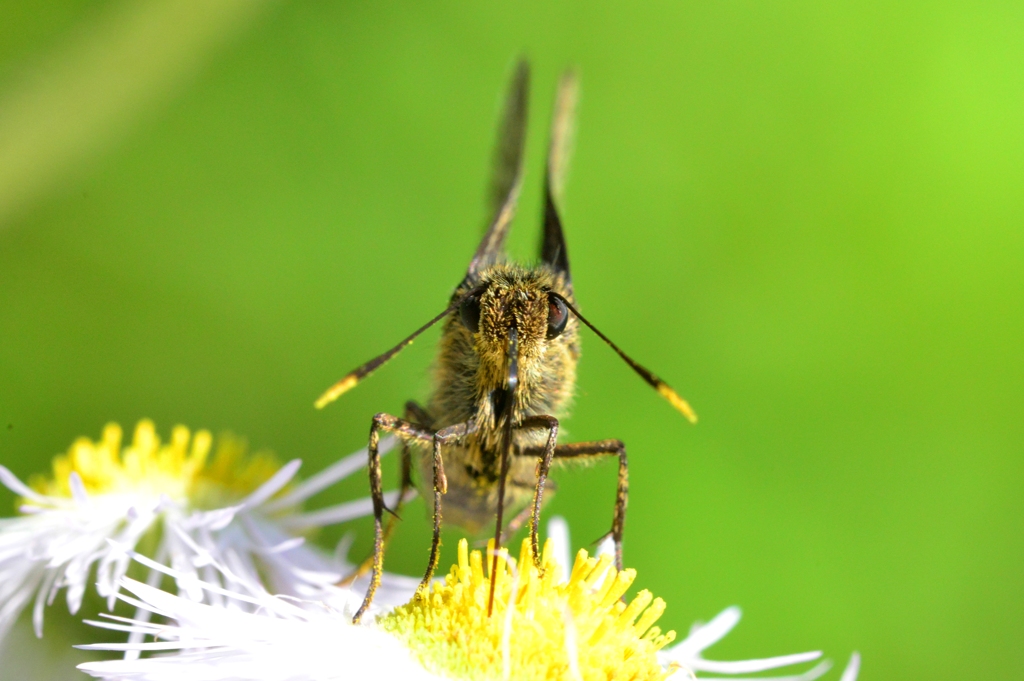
663,388
353,378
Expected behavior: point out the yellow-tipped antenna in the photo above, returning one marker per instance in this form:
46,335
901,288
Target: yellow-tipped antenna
663,388
352,379
337,390
666,391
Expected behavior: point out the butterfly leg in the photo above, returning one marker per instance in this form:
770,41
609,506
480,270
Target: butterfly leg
415,414
549,423
585,450
405,484
407,431
524,515
445,436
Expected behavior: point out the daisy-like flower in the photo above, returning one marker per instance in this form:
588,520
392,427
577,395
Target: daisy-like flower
558,623
183,504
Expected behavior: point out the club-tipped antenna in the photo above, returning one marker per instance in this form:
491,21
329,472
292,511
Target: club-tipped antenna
353,378
663,388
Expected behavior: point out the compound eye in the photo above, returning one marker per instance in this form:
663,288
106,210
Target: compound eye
558,315
469,312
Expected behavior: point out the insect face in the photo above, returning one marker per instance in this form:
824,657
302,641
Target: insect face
510,353
520,298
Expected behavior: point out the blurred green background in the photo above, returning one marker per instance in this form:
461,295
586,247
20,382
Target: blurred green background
806,216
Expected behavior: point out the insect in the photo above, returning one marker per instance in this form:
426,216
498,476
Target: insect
505,371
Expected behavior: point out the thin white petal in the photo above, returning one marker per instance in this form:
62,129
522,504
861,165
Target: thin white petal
185,558
335,514
327,477
852,668
215,520
271,487
135,587
137,627
24,586
811,674
76,575
282,547
752,666
277,643
704,636
11,482
114,564
558,533
189,610
49,580
125,647
142,615
78,489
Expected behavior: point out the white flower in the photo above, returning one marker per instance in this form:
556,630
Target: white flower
687,655
257,636
279,639
232,510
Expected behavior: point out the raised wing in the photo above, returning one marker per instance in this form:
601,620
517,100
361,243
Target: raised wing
508,170
553,250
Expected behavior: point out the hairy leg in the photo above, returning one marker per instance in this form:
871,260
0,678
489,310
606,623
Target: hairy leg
585,450
445,436
549,423
407,431
416,415
524,515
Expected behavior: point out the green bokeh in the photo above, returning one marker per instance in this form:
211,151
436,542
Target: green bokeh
806,216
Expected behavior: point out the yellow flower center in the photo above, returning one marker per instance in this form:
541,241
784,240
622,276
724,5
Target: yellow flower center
540,628
180,469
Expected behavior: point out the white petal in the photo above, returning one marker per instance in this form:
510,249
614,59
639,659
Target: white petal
114,564
811,674
271,487
558,533
78,489
752,666
335,514
852,668
58,546
22,587
142,615
327,477
282,547
704,636
279,643
217,519
49,580
11,482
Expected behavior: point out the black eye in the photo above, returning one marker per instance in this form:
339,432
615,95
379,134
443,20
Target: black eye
469,312
558,315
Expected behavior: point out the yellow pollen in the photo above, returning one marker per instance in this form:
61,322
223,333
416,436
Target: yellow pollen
540,629
180,469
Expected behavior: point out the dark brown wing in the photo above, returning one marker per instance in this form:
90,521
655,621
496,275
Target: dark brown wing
508,170
552,246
